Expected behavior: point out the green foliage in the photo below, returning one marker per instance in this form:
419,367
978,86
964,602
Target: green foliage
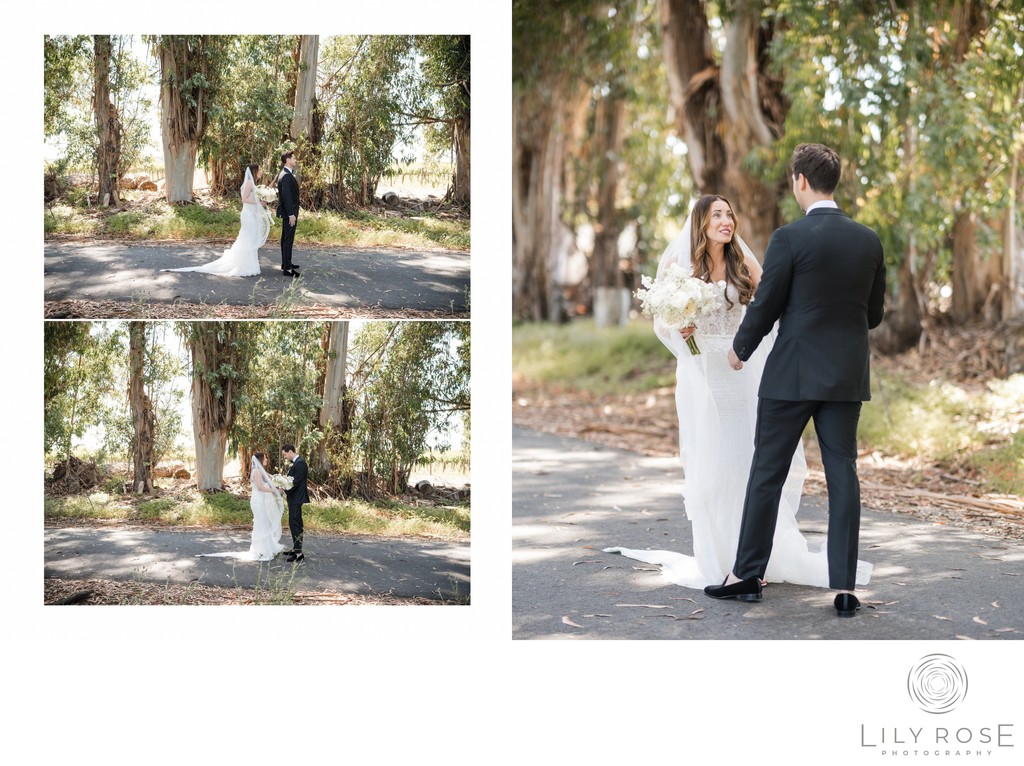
66,63
949,425
445,70
163,371
923,133
247,127
361,107
81,365
280,398
599,360
68,92
410,381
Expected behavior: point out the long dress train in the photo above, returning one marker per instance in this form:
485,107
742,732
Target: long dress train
267,508
242,259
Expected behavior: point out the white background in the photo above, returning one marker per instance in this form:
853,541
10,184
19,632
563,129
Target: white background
157,685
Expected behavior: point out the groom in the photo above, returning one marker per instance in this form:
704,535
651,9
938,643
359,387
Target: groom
297,495
824,280
288,211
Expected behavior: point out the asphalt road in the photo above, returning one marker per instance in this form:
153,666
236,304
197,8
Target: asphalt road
331,277
571,499
402,567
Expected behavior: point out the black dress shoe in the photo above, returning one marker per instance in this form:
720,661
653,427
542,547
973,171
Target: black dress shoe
296,556
846,605
744,590
289,273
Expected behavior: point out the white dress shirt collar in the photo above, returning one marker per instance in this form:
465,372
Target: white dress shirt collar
823,203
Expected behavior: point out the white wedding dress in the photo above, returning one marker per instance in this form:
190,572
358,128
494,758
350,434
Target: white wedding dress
242,259
717,410
267,506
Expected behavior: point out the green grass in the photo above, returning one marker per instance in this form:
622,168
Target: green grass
600,360
64,219
161,221
193,508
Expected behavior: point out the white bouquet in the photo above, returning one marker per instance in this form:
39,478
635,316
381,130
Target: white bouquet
677,299
266,193
282,482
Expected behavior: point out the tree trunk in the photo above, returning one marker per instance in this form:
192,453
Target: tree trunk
108,125
305,86
218,370
1013,250
726,115
541,241
143,417
460,139
187,84
969,283
334,412
611,297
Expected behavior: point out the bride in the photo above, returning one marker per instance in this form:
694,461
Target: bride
267,506
242,259
717,409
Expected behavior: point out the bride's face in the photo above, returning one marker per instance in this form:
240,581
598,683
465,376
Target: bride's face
721,223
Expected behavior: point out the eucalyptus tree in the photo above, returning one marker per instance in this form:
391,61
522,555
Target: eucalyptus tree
368,81
191,69
249,121
335,418
95,101
307,50
65,64
142,411
729,105
445,69
80,360
919,100
279,401
559,55
108,125
222,355
410,381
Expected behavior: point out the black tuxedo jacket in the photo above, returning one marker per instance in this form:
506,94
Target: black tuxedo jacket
287,195
299,493
824,280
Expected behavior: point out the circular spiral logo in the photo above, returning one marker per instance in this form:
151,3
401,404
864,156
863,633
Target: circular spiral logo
937,683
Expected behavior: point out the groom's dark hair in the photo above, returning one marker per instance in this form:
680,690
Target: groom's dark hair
819,165
285,156
287,448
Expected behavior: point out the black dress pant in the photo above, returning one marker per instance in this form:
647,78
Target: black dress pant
780,424
295,523
287,240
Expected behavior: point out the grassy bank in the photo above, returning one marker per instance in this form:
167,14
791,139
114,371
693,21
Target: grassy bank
192,508
971,429
156,220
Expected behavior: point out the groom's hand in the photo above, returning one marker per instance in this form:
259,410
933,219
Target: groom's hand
734,361
291,220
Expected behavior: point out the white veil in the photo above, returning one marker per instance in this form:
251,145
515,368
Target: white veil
256,469
256,233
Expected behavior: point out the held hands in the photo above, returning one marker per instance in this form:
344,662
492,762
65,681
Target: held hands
734,361
291,220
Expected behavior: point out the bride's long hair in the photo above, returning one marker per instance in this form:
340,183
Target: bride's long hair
736,271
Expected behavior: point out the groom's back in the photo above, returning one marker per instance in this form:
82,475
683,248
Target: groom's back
836,294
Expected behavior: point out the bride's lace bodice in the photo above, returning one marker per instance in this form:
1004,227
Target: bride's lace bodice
725,320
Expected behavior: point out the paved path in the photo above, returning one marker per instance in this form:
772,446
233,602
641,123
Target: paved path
571,498
402,567
332,277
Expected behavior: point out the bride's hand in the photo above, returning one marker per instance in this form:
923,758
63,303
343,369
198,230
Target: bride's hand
686,332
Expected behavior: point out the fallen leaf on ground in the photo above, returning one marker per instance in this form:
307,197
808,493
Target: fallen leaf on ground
567,621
